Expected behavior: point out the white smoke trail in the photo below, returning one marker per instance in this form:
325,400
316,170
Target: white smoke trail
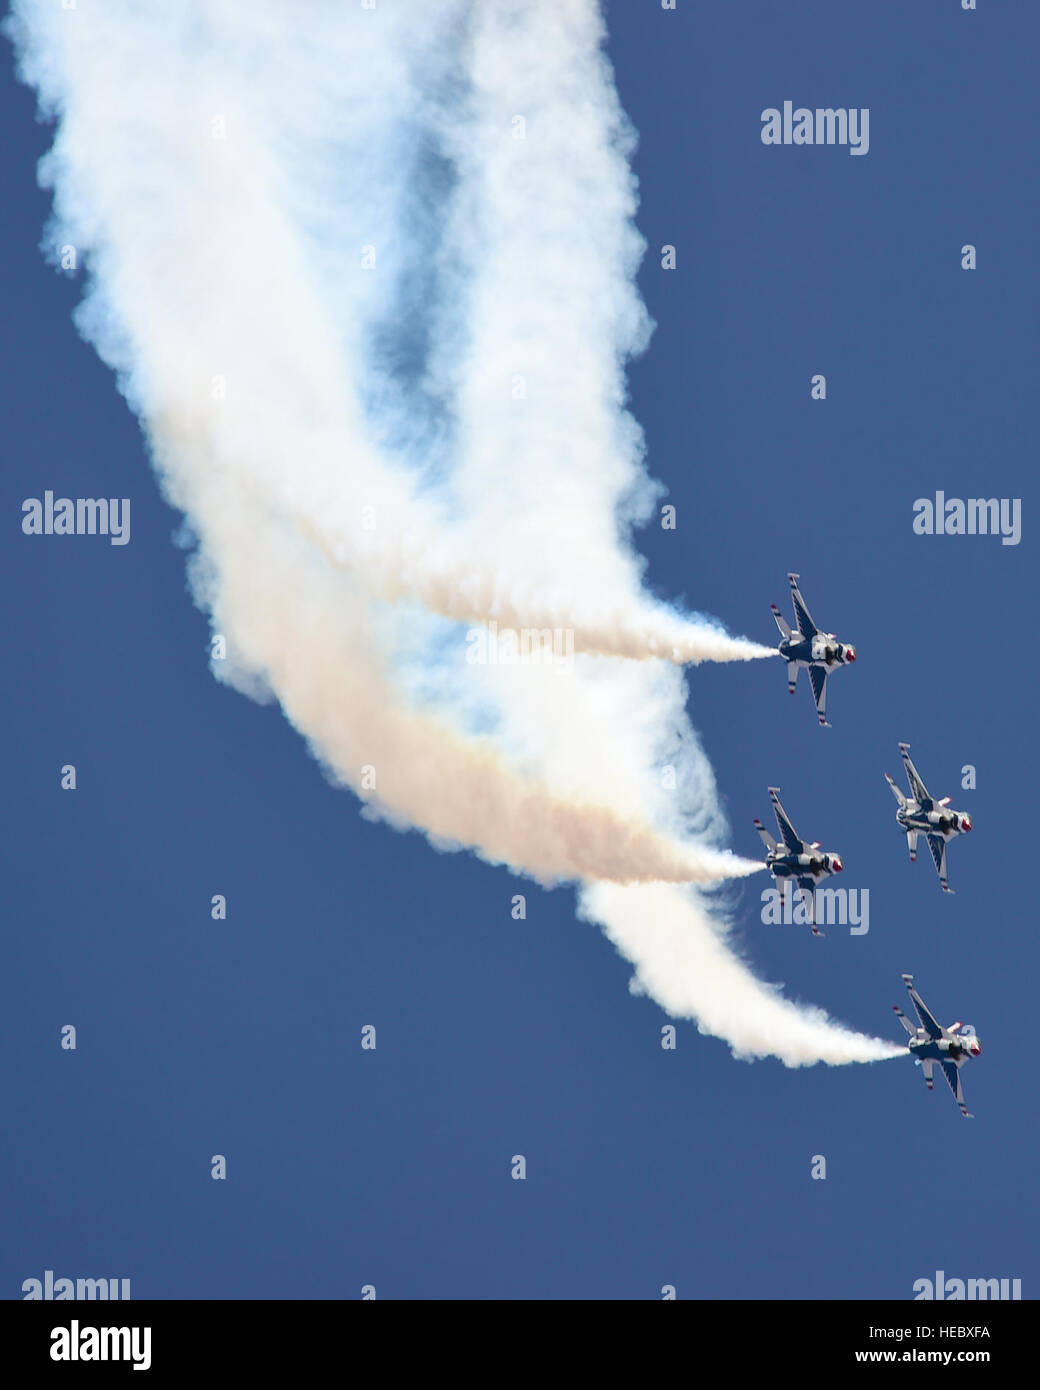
424,564
234,150
262,361
696,975
544,261
307,633
281,437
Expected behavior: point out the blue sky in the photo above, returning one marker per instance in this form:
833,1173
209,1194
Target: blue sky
497,1037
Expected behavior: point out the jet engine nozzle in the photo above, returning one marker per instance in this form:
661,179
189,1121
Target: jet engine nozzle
974,1047
850,654
965,822
836,865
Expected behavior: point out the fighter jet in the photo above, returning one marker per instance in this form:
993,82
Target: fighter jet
920,814
930,1044
796,860
820,652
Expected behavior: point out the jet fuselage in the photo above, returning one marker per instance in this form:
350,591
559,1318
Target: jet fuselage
821,650
786,865
946,823
955,1049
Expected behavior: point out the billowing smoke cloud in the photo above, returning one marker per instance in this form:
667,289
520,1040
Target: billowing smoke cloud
367,278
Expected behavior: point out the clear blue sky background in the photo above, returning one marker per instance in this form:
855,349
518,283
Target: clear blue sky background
645,1167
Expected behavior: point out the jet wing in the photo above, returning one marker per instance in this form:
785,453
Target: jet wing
913,777
953,1076
818,680
937,845
802,616
788,834
928,1023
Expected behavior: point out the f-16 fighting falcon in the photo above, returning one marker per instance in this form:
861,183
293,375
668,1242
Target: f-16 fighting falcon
920,814
931,1043
797,860
820,652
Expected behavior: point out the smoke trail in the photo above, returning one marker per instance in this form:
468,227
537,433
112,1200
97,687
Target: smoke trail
234,152
695,975
313,640
215,163
274,440
543,285
424,564
302,630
